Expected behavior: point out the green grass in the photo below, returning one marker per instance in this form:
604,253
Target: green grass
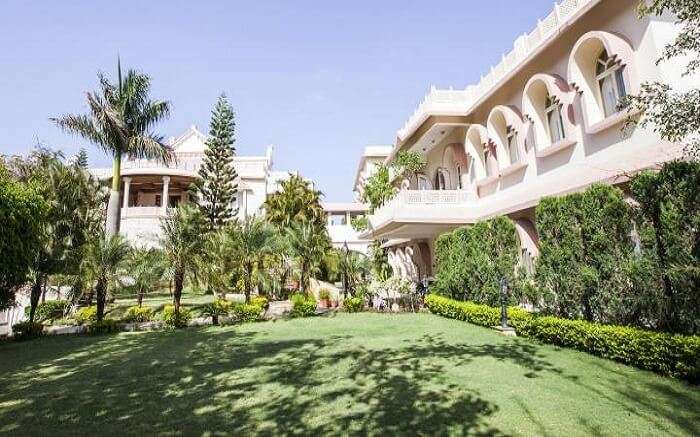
341,374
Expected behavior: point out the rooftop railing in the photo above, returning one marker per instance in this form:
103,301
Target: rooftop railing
450,100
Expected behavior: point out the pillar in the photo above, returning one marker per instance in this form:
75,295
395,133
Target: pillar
164,196
127,184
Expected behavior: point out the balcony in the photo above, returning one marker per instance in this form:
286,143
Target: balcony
422,213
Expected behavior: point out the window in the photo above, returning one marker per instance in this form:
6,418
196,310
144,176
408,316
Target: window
174,201
423,183
554,120
337,219
611,83
487,156
512,143
158,203
441,178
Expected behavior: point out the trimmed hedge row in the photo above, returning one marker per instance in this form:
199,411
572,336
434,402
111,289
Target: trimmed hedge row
673,355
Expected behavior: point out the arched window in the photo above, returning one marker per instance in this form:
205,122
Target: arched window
611,83
487,156
512,144
423,182
555,124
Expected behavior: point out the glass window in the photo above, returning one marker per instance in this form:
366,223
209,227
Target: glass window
337,219
554,120
611,83
487,164
512,140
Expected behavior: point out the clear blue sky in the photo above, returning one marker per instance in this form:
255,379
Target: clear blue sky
319,80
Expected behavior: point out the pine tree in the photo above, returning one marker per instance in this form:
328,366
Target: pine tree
81,159
215,190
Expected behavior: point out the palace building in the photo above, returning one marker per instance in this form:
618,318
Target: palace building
543,122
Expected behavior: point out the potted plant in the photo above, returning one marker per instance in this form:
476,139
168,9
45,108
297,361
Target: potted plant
324,295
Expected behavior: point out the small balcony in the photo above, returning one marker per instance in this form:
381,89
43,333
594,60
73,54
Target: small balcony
422,214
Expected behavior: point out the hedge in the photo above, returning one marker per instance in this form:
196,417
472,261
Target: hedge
667,354
303,305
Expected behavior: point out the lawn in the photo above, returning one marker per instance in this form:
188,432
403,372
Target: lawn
338,374
157,300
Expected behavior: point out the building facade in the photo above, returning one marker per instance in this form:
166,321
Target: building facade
151,188
543,122
339,225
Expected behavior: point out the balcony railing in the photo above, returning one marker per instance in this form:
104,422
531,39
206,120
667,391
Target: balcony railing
438,100
418,198
144,212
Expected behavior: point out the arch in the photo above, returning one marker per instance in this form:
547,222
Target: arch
541,114
527,236
505,125
582,70
476,143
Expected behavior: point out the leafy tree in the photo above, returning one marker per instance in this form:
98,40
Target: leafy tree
379,261
182,243
251,242
308,245
378,188
106,257
669,207
217,265
22,212
409,164
354,267
296,202
119,122
215,190
146,269
673,114
473,260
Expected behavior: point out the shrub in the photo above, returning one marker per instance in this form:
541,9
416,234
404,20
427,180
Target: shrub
216,309
27,330
86,315
353,304
138,314
324,294
303,305
472,260
48,311
105,326
173,320
260,301
668,354
246,312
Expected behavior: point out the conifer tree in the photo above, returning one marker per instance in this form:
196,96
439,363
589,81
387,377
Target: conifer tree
81,159
215,190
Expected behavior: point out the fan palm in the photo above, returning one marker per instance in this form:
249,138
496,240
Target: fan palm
182,241
354,268
119,122
146,268
308,245
252,241
106,256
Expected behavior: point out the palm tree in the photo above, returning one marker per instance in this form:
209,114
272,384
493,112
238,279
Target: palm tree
252,241
120,121
308,245
106,256
182,241
295,202
216,265
354,268
146,268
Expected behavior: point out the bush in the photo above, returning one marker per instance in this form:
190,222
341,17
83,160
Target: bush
353,304
86,315
216,309
138,314
324,294
48,311
472,260
303,305
260,301
668,354
106,326
173,320
27,330
246,312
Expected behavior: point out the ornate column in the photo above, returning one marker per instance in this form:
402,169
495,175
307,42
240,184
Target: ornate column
127,184
164,196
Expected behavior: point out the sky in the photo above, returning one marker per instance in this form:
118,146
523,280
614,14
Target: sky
319,80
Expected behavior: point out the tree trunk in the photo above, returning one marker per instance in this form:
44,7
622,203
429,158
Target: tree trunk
34,296
114,204
139,297
101,292
248,282
179,278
